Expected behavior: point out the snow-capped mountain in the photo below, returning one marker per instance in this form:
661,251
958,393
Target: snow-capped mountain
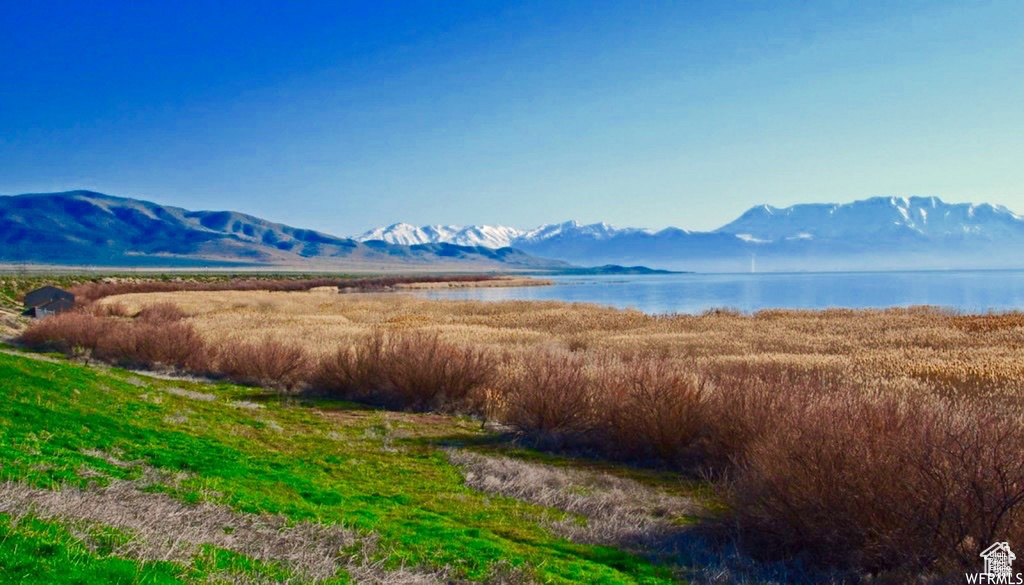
490,236
875,233
574,229
886,217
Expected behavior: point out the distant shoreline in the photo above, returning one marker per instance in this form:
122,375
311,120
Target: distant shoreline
257,269
499,282
358,269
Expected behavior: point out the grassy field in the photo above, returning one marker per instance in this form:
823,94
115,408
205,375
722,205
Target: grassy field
838,445
115,477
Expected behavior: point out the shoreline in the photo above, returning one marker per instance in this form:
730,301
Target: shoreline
499,282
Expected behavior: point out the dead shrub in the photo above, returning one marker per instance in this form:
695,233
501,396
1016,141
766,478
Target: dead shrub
173,344
65,332
427,373
409,370
747,400
549,396
118,344
881,484
652,408
122,342
267,363
356,372
161,313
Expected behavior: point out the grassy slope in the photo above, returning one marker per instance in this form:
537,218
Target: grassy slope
369,470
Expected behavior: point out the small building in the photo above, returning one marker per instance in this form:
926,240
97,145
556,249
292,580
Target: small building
48,300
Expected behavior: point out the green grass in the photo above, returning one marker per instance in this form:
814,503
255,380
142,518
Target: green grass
33,550
36,551
330,463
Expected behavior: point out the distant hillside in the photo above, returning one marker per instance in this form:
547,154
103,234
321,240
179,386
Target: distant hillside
872,234
83,227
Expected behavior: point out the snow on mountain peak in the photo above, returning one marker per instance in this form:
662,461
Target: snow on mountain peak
491,236
474,235
888,216
862,224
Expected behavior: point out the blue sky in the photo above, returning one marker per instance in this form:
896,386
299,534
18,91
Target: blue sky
345,115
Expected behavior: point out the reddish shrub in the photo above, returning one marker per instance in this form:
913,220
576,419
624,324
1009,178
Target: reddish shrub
118,344
550,397
651,408
268,363
65,332
137,343
410,370
428,373
882,484
355,373
173,344
749,399
161,313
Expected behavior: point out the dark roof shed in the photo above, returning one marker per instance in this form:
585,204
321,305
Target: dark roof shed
46,295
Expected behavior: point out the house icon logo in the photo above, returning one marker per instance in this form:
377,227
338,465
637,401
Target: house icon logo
998,566
998,560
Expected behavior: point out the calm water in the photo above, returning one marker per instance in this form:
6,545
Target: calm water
968,291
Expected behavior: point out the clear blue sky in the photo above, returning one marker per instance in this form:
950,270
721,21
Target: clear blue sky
342,116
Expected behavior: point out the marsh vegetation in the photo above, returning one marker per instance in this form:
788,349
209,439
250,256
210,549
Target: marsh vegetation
852,443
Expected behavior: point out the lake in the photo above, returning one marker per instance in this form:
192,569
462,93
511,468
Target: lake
967,291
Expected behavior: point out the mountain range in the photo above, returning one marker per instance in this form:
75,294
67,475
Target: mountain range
84,227
870,234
